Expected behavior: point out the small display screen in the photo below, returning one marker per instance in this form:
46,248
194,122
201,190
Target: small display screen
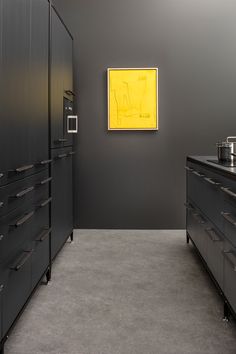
72,124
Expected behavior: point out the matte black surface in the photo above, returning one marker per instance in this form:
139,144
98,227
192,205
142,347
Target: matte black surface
230,275
62,203
137,180
61,80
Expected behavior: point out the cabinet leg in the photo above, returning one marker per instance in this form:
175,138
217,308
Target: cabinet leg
2,349
48,276
226,312
187,238
72,237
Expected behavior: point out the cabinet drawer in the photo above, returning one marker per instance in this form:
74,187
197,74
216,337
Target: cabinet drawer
19,172
229,223
230,274
196,223
1,291
14,194
15,230
204,189
17,286
41,255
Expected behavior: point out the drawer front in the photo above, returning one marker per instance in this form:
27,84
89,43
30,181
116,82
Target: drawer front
1,291
229,222
196,224
17,286
14,194
15,230
18,172
230,274
204,189
41,255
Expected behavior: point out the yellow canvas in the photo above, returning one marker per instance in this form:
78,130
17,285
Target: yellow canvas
133,99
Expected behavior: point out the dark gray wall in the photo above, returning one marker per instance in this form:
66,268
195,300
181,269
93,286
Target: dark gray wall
137,179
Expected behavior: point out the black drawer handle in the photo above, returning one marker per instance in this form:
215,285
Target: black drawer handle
22,220
231,257
228,191
1,175
46,202
198,174
1,288
211,181
45,162
45,181
199,218
24,192
61,140
71,153
213,235
69,92
24,168
1,204
228,217
61,156
187,168
26,256
43,235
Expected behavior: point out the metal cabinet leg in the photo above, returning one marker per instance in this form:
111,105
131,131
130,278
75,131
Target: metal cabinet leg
48,276
226,312
187,238
72,237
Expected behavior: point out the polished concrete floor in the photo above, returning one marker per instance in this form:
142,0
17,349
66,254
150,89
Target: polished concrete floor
125,292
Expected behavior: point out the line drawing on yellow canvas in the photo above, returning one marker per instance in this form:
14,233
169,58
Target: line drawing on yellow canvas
133,99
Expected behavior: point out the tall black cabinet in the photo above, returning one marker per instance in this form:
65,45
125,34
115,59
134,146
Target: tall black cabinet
62,106
36,96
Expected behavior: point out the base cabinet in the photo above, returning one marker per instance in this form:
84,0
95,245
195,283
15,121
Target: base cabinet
211,223
62,206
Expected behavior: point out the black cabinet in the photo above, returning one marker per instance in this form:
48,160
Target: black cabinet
61,81
62,198
211,221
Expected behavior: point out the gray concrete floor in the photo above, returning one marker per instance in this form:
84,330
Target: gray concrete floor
125,292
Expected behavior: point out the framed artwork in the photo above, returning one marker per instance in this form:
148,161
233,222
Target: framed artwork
132,98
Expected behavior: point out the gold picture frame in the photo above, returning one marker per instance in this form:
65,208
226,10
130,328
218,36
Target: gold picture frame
132,95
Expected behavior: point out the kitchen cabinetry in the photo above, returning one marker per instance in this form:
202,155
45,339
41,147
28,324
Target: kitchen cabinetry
62,206
61,141
61,81
211,221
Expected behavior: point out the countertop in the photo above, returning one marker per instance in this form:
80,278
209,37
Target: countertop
204,160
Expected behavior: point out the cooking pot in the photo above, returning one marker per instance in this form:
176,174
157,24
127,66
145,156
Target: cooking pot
226,150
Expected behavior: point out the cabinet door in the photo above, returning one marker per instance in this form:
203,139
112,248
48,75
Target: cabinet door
38,99
68,63
57,69
230,274
14,84
1,290
62,206
17,273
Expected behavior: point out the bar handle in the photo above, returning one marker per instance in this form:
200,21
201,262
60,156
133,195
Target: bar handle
198,174
1,204
190,169
199,218
71,153
45,162
43,235
61,156
228,191
24,168
26,256
45,181
1,175
24,192
231,257
228,217
69,93
46,202
211,181
23,219
61,140
213,235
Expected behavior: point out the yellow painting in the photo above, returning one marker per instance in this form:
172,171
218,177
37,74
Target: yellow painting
133,99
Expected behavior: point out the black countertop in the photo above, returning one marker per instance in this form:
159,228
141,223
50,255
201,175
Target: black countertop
204,160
